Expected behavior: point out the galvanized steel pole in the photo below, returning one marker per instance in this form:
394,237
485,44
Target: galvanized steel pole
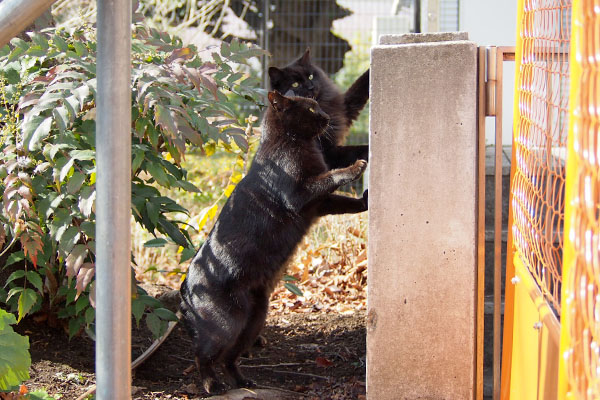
16,15
113,201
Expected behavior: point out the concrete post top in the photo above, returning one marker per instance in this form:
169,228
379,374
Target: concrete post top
412,38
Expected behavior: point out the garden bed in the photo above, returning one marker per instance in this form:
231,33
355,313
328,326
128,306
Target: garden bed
309,355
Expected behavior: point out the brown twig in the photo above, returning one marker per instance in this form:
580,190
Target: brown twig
272,365
301,374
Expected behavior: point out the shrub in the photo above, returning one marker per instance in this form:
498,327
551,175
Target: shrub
48,168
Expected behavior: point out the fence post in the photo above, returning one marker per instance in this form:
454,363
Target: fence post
15,15
422,218
113,204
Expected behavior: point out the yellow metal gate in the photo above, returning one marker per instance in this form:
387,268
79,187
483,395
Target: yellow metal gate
552,313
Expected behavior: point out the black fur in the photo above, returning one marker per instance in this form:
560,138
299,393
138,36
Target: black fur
303,78
226,291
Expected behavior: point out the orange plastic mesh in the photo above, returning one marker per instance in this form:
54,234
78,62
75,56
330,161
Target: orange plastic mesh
540,142
582,284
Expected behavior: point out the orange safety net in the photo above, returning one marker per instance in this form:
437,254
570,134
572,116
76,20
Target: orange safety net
540,143
581,348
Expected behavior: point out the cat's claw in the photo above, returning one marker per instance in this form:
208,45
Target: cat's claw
215,387
360,167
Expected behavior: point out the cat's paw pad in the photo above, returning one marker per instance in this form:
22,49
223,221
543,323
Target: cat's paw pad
359,166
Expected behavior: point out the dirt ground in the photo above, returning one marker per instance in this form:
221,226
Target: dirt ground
309,356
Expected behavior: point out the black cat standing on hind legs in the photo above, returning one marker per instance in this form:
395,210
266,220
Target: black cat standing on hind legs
226,291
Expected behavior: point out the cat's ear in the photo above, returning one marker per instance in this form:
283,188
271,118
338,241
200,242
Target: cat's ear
275,74
279,102
305,59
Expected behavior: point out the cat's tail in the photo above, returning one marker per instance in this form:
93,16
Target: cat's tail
356,96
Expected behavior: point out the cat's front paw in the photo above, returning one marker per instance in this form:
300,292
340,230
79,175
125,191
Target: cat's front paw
359,167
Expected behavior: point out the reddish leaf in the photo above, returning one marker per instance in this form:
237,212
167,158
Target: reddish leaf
2,235
32,245
208,68
210,83
84,277
187,131
184,53
323,362
165,120
75,259
201,79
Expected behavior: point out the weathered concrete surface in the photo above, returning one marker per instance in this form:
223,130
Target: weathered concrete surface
422,222
408,38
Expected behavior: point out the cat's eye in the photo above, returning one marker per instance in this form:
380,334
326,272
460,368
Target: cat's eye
295,84
311,77
312,110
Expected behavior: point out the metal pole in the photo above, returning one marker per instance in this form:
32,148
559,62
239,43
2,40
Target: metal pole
113,204
16,15
265,43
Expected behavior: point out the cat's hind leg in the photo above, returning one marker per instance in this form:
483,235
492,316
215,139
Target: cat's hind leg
213,325
259,303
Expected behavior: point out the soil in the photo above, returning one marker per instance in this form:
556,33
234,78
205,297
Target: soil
310,355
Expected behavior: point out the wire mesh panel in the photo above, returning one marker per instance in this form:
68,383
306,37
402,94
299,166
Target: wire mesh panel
581,309
332,29
540,143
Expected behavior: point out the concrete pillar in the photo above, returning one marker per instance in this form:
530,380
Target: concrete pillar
422,218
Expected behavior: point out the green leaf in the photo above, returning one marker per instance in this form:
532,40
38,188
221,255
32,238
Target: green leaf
12,76
138,158
60,43
153,211
14,258
89,228
34,131
83,154
61,116
153,323
293,288
62,167
80,49
157,242
75,182
150,301
81,303
173,232
14,354
90,315
15,275
86,200
27,300
158,173
36,280
75,326
68,240
165,314
187,254
289,278
137,309
190,187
